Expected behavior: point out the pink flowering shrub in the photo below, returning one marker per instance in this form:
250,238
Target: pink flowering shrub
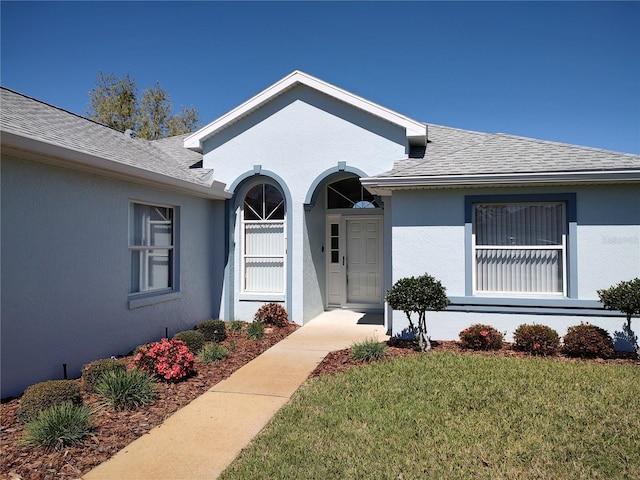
481,337
272,314
168,359
536,339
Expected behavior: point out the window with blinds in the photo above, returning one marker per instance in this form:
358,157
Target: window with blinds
264,244
520,248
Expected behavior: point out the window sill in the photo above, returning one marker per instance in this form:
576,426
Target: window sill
146,299
261,297
548,305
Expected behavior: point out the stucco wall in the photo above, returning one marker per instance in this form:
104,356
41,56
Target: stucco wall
299,138
431,224
65,270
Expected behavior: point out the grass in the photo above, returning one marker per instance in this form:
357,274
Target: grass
451,416
59,426
368,350
127,389
213,352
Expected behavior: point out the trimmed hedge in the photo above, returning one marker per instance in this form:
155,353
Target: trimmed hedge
44,395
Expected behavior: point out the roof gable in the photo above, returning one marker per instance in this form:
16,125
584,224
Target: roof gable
416,131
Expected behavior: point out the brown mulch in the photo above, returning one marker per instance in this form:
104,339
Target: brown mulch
115,430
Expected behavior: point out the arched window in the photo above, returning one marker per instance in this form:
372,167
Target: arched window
264,246
349,193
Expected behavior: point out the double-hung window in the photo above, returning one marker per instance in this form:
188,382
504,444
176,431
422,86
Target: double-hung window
264,243
151,245
520,247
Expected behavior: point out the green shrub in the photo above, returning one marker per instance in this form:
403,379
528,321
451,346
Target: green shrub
193,338
44,395
59,426
481,337
92,372
213,330
213,352
536,339
272,314
368,350
587,341
236,325
255,330
126,389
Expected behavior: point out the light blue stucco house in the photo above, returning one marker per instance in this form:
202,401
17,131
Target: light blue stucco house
305,194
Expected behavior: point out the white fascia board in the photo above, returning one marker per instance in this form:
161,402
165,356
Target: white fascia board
19,146
385,185
416,131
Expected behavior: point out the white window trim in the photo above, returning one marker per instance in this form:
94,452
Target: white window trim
562,248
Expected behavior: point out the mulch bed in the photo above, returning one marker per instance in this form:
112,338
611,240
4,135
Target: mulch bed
115,430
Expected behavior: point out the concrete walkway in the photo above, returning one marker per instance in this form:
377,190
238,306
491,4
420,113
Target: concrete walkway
200,440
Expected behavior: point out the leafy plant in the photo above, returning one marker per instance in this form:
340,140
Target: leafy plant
59,426
213,330
213,352
44,395
368,350
236,325
481,337
255,330
536,339
272,314
193,338
128,389
587,341
93,372
417,295
168,359
624,297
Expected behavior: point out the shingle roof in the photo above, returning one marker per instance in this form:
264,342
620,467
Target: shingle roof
33,119
453,151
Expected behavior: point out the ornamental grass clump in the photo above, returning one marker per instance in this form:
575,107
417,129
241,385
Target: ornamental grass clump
368,350
128,389
481,337
536,339
213,330
59,426
272,314
236,325
44,395
587,341
193,338
93,372
213,352
169,360
255,330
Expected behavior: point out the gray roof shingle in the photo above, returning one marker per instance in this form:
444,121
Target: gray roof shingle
30,118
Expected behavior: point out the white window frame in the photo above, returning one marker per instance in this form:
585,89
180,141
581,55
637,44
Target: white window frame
561,248
147,250
243,244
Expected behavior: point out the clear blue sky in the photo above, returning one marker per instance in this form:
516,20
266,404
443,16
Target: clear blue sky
564,71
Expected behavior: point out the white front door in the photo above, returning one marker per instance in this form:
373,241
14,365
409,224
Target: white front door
354,261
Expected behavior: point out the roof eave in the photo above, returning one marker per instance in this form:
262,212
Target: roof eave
416,131
21,146
385,185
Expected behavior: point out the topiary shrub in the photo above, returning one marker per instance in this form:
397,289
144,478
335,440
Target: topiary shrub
58,426
127,389
272,314
536,339
44,395
481,337
167,359
93,372
193,338
624,297
213,330
213,352
587,341
368,350
255,330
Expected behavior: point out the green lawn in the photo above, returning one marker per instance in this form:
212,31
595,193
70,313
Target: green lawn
452,416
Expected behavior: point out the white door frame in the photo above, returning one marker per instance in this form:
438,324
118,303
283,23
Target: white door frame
336,271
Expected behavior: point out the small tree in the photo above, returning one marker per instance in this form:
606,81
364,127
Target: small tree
417,295
624,297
